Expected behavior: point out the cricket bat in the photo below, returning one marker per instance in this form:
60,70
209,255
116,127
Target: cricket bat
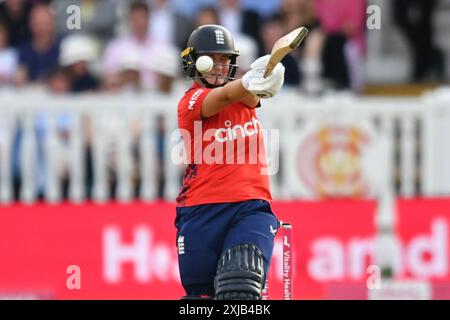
283,46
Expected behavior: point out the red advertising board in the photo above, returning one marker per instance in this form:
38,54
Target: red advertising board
323,233
423,246
117,251
122,251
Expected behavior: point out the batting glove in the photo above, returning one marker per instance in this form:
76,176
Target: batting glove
255,82
256,70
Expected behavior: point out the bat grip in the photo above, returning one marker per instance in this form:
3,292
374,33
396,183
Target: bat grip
268,70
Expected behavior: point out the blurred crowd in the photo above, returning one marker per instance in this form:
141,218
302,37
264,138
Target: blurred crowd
116,46
414,18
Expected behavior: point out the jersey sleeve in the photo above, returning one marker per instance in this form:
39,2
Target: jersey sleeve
189,108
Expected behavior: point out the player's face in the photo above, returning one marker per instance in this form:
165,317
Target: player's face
217,76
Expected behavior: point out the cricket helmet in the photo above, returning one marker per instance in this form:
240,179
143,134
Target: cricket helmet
208,39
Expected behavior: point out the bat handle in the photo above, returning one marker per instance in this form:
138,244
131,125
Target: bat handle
268,70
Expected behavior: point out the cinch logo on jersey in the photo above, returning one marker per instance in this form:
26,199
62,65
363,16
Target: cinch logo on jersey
194,98
231,132
233,144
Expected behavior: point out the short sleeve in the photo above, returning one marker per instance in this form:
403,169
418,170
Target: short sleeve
189,108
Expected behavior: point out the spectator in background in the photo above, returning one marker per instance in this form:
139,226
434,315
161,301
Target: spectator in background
248,51
8,59
33,2
271,31
246,46
57,83
77,53
164,63
111,84
126,81
245,25
292,14
414,17
265,8
167,26
128,77
239,20
15,15
295,13
343,23
158,61
39,56
98,18
206,15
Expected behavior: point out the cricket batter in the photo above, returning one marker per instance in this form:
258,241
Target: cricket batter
225,225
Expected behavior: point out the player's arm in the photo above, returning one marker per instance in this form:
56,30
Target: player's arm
218,98
250,100
252,86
